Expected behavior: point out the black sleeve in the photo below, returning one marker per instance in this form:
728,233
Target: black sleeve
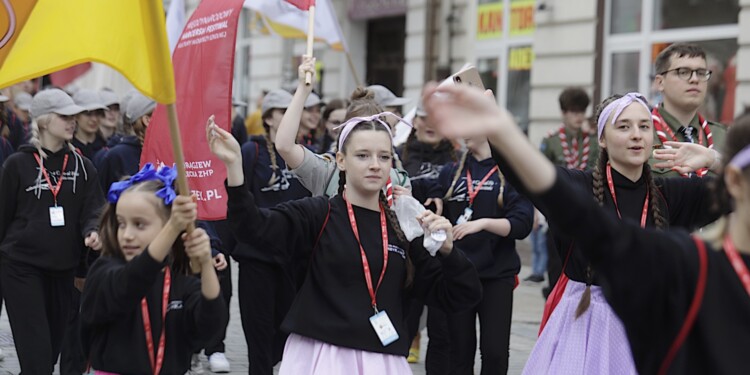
249,161
450,283
114,288
690,201
93,201
8,195
519,211
289,227
648,276
205,317
110,170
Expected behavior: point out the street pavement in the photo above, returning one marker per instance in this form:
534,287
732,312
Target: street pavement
527,313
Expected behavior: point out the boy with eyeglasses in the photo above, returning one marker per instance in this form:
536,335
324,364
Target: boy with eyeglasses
682,78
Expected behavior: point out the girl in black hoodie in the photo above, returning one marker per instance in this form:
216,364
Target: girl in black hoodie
49,204
142,313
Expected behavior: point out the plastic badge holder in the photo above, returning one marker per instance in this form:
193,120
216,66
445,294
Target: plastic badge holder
407,209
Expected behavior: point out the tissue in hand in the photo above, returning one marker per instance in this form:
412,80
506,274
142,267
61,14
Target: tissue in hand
407,209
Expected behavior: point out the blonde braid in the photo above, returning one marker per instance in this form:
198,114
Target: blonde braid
461,164
274,163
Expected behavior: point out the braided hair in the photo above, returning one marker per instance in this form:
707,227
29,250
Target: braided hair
598,190
457,175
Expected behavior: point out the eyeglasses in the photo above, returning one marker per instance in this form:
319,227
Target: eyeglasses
686,74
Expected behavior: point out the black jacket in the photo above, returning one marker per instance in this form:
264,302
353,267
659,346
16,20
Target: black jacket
111,320
423,162
26,234
121,160
333,304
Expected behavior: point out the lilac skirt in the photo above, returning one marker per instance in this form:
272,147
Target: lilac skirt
306,356
593,344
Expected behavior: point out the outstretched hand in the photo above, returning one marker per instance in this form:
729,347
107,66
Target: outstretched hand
222,143
684,157
460,111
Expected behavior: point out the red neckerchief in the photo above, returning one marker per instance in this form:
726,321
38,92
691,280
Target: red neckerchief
663,131
574,160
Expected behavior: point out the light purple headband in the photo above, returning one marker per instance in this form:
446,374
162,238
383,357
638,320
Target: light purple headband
352,122
742,159
618,106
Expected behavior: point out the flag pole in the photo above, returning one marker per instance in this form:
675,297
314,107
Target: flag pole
352,68
310,40
179,157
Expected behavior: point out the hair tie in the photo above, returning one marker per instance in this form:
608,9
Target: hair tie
164,174
352,122
618,106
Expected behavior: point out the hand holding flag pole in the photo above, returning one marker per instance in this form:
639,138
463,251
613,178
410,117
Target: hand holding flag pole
309,6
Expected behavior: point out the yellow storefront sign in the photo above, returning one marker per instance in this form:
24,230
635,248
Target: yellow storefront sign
490,21
520,58
522,17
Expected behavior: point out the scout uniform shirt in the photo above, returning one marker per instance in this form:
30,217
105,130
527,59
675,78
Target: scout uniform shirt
555,149
718,135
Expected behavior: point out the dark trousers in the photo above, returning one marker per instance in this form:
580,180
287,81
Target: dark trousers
225,281
72,361
494,312
265,298
437,360
38,302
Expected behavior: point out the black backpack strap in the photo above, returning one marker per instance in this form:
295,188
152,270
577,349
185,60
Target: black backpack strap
695,306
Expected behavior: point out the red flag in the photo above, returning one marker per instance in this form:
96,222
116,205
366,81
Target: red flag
302,4
203,68
66,76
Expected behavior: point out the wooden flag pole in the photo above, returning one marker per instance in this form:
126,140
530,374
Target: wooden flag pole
179,158
310,39
353,69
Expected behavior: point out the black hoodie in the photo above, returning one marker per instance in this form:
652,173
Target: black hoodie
423,162
26,235
123,159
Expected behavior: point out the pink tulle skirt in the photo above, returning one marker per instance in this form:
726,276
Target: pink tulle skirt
306,356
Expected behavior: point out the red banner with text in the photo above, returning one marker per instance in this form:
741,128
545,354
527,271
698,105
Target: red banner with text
203,68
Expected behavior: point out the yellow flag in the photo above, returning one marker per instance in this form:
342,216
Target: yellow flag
127,35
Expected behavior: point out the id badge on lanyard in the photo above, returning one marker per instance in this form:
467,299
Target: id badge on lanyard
384,328
56,213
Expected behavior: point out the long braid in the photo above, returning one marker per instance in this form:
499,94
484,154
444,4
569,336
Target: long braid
456,176
274,163
454,154
598,190
653,191
393,223
342,183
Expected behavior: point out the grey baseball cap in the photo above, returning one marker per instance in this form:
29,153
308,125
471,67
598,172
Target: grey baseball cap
3,98
387,98
108,98
88,99
138,106
276,99
54,101
238,103
312,100
22,100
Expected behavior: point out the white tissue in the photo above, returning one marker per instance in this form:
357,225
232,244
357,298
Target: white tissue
407,209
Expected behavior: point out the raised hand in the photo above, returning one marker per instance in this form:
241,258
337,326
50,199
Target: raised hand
307,66
685,157
198,247
460,111
432,222
184,212
222,143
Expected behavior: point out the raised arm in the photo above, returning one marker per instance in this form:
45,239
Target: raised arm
286,136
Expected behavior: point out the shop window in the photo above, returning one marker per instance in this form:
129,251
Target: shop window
519,83
673,14
625,16
488,70
625,72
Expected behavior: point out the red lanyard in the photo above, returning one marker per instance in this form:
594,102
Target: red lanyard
470,184
737,262
156,364
365,263
614,198
54,190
